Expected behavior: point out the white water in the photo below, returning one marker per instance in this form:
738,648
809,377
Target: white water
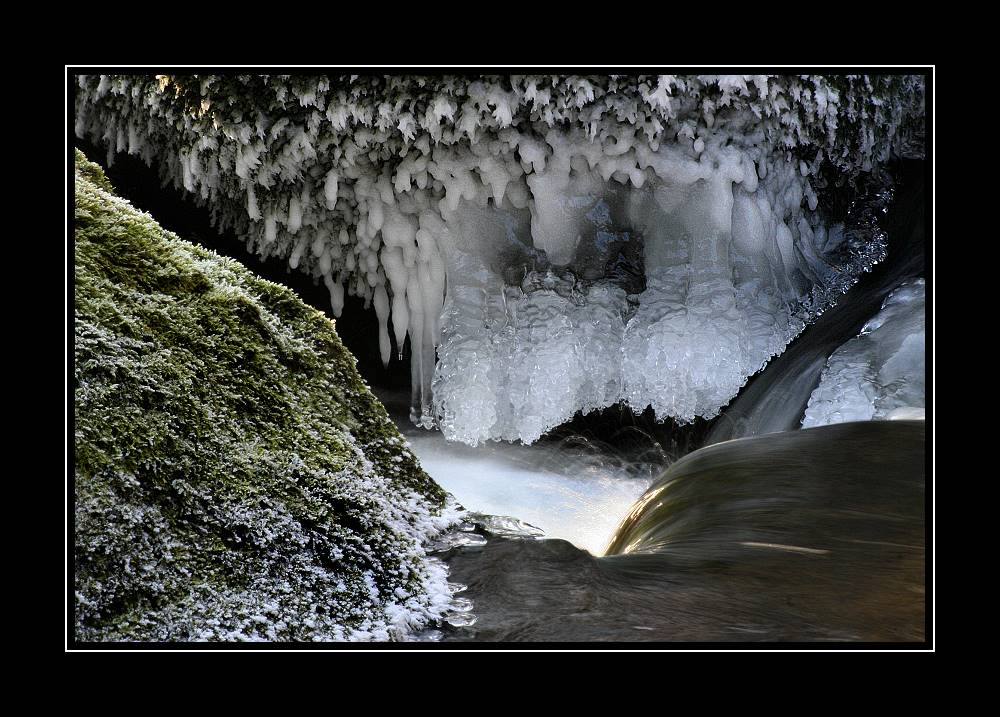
576,490
568,494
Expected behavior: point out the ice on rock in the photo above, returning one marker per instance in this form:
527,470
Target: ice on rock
880,373
906,413
545,245
542,359
520,357
712,313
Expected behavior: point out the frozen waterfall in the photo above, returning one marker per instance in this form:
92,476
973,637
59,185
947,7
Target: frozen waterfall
667,294
546,245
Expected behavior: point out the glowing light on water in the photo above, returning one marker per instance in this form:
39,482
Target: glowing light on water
579,496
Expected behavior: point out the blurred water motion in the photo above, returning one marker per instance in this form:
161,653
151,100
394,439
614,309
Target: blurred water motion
576,488
808,535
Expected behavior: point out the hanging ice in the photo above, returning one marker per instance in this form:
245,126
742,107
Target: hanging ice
546,245
880,373
670,292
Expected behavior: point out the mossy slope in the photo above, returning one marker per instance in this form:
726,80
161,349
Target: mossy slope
234,476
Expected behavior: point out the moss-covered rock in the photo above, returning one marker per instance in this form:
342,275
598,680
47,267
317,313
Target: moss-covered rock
234,476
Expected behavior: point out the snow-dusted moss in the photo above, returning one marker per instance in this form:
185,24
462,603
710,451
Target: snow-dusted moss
234,477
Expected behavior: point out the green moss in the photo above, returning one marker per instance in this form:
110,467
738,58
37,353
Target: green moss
92,172
234,474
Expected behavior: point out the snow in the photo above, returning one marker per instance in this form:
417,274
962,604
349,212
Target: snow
879,374
426,195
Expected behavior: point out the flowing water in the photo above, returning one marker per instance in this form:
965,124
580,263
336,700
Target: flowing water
809,535
576,489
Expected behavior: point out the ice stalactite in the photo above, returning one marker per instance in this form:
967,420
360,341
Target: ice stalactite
728,263
880,373
547,245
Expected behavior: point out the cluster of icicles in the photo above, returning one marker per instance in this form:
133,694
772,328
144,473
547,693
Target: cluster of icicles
730,255
733,253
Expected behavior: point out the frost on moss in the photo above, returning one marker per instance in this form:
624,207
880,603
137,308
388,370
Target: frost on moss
234,477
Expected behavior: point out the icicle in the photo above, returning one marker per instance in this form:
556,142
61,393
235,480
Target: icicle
134,145
430,298
336,294
381,301
375,216
420,371
252,210
397,275
293,260
330,187
400,320
319,243
270,227
294,215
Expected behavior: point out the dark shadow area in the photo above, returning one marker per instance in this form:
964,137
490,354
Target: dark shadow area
620,427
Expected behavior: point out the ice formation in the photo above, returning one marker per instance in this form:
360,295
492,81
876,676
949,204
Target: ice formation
547,244
879,374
